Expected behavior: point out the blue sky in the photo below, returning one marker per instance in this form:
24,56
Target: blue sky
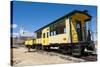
34,15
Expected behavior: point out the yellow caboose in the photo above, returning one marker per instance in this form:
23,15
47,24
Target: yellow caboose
69,33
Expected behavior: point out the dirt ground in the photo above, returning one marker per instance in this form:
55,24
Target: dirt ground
22,58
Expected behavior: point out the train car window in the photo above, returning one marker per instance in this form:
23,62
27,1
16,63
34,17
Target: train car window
79,30
51,33
47,34
64,30
78,26
39,34
43,35
54,32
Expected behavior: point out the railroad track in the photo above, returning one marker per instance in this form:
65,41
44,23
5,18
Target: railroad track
87,56
60,55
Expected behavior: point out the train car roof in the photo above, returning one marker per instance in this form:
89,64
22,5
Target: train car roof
67,15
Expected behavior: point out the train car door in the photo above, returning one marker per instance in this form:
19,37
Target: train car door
45,36
79,30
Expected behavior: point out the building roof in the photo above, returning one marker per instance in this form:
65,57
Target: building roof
67,15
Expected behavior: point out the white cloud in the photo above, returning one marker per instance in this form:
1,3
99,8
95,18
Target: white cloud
15,34
14,26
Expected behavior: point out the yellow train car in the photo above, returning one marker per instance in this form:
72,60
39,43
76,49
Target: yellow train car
30,43
68,33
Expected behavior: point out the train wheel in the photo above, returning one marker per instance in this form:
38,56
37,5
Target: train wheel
69,50
62,49
77,50
36,47
43,47
33,46
39,47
